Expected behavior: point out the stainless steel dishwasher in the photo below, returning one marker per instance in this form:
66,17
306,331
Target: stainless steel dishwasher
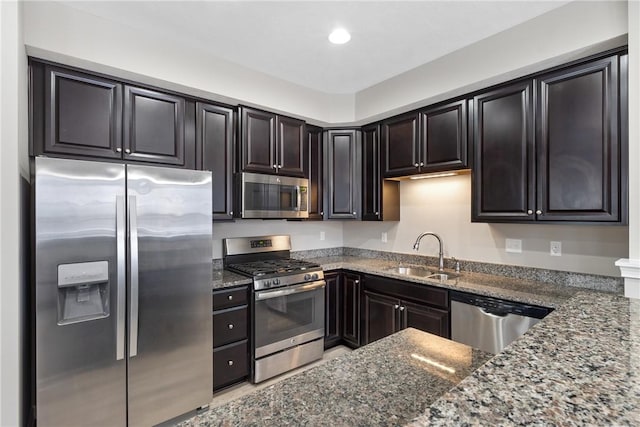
488,323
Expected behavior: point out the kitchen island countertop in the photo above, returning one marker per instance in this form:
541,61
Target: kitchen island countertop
388,382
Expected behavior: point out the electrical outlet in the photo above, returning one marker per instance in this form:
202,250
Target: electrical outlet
555,248
384,237
322,235
513,246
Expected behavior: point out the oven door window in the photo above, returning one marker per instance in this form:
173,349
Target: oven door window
279,319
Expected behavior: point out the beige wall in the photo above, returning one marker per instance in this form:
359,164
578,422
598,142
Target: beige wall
443,205
558,36
13,140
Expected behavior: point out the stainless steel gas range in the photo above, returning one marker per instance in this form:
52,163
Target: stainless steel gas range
287,304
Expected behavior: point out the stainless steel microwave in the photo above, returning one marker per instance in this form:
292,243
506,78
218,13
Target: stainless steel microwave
272,196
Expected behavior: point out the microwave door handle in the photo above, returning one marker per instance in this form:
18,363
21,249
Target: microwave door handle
299,198
264,295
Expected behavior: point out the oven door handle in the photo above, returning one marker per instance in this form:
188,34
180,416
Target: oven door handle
306,287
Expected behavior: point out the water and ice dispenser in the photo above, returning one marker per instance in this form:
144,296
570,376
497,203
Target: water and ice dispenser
83,291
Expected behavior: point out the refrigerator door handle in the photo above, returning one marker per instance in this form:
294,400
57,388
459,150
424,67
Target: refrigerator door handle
133,265
121,236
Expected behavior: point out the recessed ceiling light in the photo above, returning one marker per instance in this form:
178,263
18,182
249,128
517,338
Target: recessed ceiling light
339,36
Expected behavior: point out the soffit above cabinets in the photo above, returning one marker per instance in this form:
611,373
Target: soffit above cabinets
288,40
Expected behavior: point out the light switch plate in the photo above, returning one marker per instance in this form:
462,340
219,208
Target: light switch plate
555,248
513,246
383,237
322,235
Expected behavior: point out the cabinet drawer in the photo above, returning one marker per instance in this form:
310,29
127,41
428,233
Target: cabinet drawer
229,326
229,298
229,364
405,290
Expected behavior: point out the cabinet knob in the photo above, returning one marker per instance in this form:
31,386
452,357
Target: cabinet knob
395,307
377,213
119,150
127,151
230,325
230,362
275,166
322,213
231,213
529,212
538,212
402,308
421,163
356,281
279,166
230,297
416,164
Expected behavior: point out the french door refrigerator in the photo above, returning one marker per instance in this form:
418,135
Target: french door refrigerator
123,325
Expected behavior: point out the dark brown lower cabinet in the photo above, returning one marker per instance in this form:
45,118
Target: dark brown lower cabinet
333,312
351,309
390,305
230,333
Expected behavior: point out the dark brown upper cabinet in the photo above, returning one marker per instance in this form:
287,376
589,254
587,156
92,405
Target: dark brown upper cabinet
82,114
503,168
380,198
313,171
572,166
154,126
444,137
579,143
78,114
270,143
401,145
429,140
214,149
342,166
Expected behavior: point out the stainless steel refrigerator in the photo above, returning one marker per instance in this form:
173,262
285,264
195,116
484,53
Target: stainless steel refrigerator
123,325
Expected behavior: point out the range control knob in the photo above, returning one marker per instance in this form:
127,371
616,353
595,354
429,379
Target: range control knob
276,282
266,283
314,276
307,276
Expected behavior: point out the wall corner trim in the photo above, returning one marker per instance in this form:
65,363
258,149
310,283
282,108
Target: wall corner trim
630,270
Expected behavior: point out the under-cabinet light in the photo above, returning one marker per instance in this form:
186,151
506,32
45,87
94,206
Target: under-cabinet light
435,175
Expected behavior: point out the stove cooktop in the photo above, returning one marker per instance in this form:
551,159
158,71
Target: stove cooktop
274,266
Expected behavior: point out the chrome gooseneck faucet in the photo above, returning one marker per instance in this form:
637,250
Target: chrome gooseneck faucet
416,246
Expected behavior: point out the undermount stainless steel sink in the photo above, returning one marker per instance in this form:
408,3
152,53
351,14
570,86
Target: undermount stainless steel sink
423,272
412,271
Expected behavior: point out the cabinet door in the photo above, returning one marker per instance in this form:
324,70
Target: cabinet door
444,137
290,146
380,316
351,309
214,148
333,310
154,127
425,318
578,143
257,141
371,180
400,142
82,113
313,171
503,170
342,166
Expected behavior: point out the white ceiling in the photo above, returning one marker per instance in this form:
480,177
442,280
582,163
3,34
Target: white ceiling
288,40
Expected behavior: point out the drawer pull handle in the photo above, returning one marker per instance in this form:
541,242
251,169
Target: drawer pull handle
230,297
230,362
230,325
402,308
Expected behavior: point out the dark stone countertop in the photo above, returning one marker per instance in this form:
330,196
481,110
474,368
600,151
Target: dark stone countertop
388,382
